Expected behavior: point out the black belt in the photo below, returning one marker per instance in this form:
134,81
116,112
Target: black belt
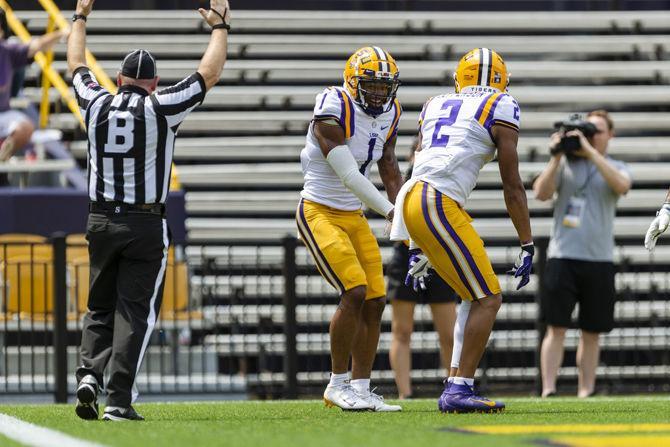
119,208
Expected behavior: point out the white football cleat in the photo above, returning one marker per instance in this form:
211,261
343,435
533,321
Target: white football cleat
346,398
378,403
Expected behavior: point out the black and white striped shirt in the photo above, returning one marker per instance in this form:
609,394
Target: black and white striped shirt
131,136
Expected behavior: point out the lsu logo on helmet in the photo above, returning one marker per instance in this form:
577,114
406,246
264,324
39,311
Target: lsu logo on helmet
483,67
371,77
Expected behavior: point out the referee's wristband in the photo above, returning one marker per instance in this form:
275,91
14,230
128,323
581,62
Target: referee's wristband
222,25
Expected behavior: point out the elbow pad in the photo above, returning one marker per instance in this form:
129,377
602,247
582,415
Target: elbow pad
346,168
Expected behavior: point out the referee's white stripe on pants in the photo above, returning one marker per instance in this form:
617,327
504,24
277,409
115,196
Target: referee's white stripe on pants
35,436
151,319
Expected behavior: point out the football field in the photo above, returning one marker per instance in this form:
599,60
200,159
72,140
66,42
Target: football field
604,422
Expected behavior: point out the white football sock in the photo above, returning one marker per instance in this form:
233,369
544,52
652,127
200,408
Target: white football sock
361,385
464,381
338,379
459,330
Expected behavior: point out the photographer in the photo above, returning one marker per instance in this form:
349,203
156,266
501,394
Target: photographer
580,265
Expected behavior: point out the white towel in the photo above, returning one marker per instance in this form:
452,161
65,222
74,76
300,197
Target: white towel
398,228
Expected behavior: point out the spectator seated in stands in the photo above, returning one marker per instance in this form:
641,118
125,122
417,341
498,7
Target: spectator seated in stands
15,127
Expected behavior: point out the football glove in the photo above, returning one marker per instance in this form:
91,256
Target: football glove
417,270
523,265
657,227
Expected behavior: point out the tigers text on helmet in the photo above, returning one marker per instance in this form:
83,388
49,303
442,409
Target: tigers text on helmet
371,77
482,67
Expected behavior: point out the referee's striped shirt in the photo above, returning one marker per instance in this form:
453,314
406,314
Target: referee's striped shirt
131,136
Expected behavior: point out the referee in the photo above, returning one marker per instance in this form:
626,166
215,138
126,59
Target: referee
130,146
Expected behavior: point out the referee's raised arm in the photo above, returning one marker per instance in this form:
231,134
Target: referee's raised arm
76,43
211,65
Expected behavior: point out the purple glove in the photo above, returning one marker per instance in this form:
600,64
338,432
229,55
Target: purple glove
417,270
523,265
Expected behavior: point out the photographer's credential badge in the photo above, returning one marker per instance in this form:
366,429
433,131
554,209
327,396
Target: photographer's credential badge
574,212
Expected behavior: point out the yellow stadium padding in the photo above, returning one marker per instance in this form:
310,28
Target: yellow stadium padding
14,245
28,282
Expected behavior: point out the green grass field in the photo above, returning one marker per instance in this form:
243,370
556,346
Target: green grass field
637,421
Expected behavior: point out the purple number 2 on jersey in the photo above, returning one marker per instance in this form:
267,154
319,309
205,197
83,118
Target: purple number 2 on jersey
454,106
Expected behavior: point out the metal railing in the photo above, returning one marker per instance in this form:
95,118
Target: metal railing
251,318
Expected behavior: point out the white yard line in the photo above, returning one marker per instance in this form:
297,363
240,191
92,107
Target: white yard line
36,436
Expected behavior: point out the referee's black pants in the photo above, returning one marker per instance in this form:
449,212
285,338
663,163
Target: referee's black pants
128,257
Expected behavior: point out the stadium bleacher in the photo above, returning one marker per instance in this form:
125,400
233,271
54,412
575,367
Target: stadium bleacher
238,159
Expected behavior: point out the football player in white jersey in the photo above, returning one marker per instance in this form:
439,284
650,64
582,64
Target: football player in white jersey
354,126
460,132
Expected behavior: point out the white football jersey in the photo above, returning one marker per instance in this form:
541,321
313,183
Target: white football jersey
365,135
456,139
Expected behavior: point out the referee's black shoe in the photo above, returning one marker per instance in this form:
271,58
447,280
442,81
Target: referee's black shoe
87,398
121,414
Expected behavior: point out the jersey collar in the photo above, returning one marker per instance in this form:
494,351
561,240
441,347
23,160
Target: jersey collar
133,89
479,88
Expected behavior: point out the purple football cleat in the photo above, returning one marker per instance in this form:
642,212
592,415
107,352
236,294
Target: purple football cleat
462,399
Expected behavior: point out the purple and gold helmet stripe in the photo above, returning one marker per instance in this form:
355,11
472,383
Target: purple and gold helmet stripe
480,67
442,242
489,64
377,51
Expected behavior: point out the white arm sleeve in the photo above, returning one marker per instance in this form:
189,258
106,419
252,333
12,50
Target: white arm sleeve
345,166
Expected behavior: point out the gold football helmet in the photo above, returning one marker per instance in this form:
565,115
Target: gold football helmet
484,67
371,77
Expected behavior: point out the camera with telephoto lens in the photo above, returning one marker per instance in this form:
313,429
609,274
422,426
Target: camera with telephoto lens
570,144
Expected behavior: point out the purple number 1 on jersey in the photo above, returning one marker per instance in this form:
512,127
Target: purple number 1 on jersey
454,106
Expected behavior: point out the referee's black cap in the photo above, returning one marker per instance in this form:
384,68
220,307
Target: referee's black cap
139,64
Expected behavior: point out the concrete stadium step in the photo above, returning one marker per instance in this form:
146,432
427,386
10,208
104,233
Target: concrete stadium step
340,47
231,257
290,174
238,203
224,257
329,72
287,148
315,287
388,21
309,287
222,229
296,122
39,360
530,97
643,338
252,315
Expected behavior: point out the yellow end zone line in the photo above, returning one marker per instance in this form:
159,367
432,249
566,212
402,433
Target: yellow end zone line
565,428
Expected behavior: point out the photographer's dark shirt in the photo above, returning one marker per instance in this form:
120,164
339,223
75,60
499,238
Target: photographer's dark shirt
593,239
